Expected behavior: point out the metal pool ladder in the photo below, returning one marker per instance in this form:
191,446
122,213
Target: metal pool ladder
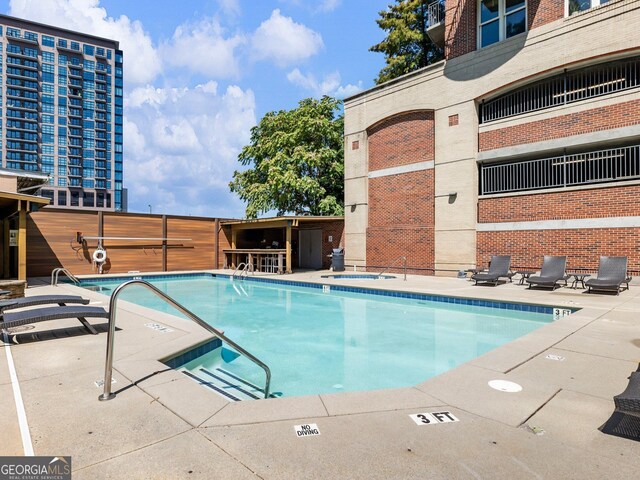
56,273
107,394
242,270
393,263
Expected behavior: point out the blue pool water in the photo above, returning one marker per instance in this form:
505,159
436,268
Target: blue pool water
316,341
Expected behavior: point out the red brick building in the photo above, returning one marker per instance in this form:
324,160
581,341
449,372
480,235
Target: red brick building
525,141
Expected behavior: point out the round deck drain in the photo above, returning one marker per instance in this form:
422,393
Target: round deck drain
505,386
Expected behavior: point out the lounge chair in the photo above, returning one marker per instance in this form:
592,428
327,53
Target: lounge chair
612,273
34,315
552,271
498,267
41,300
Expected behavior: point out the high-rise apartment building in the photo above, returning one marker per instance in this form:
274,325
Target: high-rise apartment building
61,112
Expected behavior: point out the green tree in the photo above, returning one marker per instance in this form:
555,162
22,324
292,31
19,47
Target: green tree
407,46
296,160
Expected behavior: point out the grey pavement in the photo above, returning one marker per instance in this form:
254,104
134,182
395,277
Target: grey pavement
163,425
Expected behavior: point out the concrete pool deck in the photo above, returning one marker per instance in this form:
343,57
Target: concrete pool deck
164,425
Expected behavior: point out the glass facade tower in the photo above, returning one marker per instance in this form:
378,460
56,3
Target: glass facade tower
61,112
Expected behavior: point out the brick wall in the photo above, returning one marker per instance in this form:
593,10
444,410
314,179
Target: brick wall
582,247
591,203
385,245
594,120
401,221
541,12
401,207
401,140
460,30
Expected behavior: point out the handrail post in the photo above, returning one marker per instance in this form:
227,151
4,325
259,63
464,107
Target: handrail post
405,269
107,394
402,257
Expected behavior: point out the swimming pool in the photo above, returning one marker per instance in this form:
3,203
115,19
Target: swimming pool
337,339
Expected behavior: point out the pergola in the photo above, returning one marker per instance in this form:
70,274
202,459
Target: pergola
12,205
286,222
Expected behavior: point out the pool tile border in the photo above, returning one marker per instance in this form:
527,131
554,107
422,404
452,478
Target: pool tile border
184,358
522,307
414,296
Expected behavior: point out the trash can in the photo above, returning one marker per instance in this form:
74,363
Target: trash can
337,260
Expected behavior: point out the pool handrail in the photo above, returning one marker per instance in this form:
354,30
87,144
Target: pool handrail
241,269
107,394
401,257
55,273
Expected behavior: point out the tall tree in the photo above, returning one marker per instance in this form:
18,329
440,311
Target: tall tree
407,46
297,161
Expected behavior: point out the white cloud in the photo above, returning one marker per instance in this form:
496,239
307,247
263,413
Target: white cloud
142,60
283,41
329,85
202,48
328,5
231,7
315,6
182,147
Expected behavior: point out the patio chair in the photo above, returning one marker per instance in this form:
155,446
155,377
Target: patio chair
34,315
499,267
625,420
40,300
612,273
552,271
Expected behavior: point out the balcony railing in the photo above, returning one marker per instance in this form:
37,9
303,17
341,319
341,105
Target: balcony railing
435,19
435,13
568,87
610,165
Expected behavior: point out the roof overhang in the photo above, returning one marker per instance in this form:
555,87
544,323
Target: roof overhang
9,202
26,181
277,222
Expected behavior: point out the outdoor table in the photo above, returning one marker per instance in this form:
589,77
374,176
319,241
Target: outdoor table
578,277
524,274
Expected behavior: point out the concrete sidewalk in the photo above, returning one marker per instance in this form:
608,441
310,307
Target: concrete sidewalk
164,425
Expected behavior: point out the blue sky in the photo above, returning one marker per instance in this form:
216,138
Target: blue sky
200,73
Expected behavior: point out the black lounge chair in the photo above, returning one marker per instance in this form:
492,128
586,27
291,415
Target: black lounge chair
34,315
499,267
625,421
553,270
41,300
612,273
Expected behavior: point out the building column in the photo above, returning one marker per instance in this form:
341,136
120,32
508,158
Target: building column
216,253
234,256
289,268
6,254
164,243
22,239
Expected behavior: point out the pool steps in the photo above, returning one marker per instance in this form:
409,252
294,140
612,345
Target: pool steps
225,383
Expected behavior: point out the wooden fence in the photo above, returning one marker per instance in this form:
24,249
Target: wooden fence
52,242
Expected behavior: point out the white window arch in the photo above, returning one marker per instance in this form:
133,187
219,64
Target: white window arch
500,19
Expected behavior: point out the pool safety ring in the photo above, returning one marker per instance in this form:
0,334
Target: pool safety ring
100,255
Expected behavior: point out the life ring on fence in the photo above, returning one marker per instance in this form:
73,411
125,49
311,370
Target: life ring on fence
100,255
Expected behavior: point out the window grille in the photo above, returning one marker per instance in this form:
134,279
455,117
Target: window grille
566,88
611,165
